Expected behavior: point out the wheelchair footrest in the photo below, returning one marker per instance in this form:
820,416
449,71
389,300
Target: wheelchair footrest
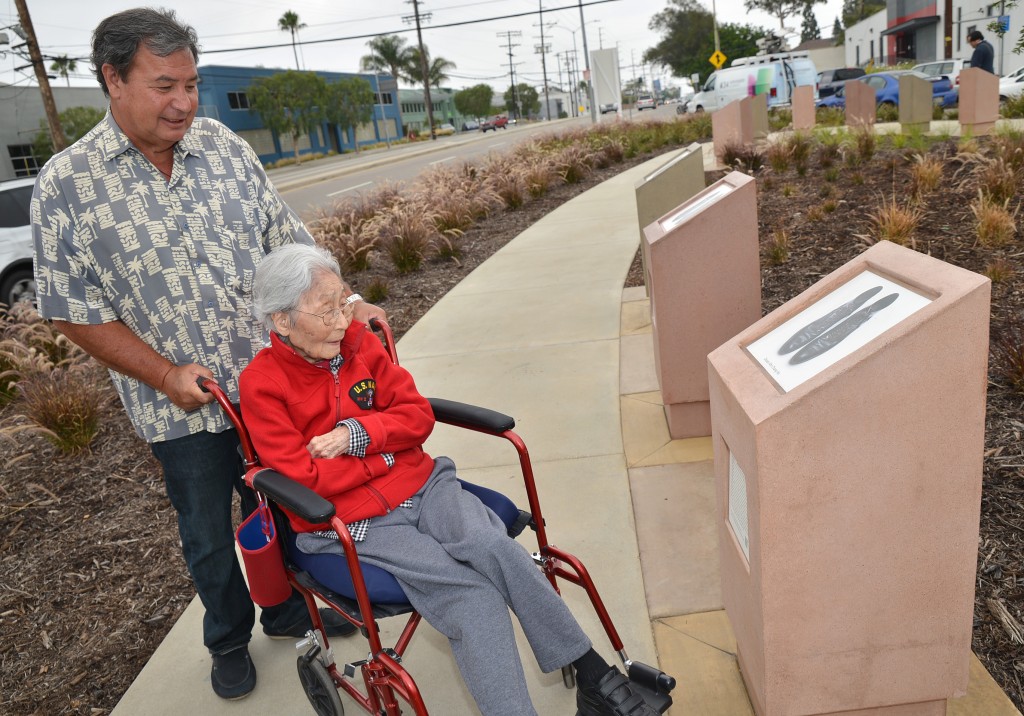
657,700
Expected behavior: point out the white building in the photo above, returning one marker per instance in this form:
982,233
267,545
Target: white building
925,31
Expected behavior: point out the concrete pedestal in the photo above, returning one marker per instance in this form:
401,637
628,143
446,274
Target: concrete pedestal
848,487
861,109
916,104
804,117
665,188
733,124
979,101
705,287
758,107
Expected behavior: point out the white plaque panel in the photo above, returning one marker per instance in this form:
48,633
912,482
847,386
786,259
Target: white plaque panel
833,327
697,205
738,518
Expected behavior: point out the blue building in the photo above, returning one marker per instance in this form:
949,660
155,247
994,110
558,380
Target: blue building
222,95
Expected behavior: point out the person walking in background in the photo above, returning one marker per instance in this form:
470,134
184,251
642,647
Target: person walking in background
147,234
984,56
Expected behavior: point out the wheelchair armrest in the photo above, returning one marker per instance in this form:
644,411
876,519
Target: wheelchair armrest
472,416
298,498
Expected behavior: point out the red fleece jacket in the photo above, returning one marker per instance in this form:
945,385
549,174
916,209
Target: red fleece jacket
286,401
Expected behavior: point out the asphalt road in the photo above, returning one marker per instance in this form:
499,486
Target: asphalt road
320,183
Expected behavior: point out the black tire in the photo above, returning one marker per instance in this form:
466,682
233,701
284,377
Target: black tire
319,687
20,285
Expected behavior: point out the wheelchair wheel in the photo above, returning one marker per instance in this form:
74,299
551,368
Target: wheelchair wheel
319,688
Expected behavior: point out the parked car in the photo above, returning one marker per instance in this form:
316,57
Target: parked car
887,89
831,80
1011,86
470,125
948,68
444,130
609,107
494,123
17,282
645,101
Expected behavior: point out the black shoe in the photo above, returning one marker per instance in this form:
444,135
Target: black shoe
233,675
334,625
612,696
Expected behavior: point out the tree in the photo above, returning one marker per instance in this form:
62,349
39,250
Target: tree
63,65
289,22
687,42
289,103
74,122
349,103
809,30
780,8
388,53
837,32
856,10
475,101
437,68
522,100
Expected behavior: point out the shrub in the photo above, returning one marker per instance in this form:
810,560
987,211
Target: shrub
1013,107
996,225
538,176
925,174
352,251
778,248
573,164
63,405
745,157
779,119
829,117
887,112
376,291
866,141
829,206
1008,144
896,223
406,231
778,155
999,270
1008,355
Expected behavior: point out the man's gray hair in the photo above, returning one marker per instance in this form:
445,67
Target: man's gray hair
117,38
284,276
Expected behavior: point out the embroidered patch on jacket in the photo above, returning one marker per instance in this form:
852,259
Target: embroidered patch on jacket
362,393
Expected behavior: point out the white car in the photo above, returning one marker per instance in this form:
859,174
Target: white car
17,282
948,68
1011,86
645,101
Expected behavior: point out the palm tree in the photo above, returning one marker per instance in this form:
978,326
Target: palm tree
63,65
437,68
388,54
289,22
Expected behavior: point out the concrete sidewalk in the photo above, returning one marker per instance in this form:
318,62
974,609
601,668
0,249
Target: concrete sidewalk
543,331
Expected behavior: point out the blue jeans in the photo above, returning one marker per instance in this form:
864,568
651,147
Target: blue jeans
201,472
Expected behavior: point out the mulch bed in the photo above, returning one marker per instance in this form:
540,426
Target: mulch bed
92,575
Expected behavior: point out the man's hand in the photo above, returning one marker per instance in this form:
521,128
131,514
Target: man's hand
332,444
179,384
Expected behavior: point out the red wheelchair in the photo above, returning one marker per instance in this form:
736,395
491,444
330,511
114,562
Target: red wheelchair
367,593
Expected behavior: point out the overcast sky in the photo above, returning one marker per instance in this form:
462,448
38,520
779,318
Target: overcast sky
479,49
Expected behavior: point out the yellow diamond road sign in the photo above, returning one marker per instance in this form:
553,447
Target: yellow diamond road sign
717,59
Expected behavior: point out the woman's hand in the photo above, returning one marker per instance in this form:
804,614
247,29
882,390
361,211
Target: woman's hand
332,444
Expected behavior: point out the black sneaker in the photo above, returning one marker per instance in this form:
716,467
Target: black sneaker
612,696
233,675
334,624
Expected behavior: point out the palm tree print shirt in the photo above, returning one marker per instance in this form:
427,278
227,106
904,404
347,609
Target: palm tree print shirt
172,259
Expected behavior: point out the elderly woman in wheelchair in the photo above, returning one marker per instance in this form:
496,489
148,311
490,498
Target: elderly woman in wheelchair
326,406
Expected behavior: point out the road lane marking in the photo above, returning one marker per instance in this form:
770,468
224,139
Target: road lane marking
351,188
442,161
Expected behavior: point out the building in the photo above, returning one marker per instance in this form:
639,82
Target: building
414,109
21,112
926,30
222,95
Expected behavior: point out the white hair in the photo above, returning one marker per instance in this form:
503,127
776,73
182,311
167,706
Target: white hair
284,276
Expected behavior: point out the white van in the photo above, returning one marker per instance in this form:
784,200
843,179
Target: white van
771,75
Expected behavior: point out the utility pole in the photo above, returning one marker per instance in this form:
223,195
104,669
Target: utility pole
558,64
52,118
508,35
543,50
425,17
586,62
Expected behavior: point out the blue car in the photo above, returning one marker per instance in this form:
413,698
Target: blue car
887,89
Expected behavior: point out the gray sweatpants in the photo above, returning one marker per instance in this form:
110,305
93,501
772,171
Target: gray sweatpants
461,571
